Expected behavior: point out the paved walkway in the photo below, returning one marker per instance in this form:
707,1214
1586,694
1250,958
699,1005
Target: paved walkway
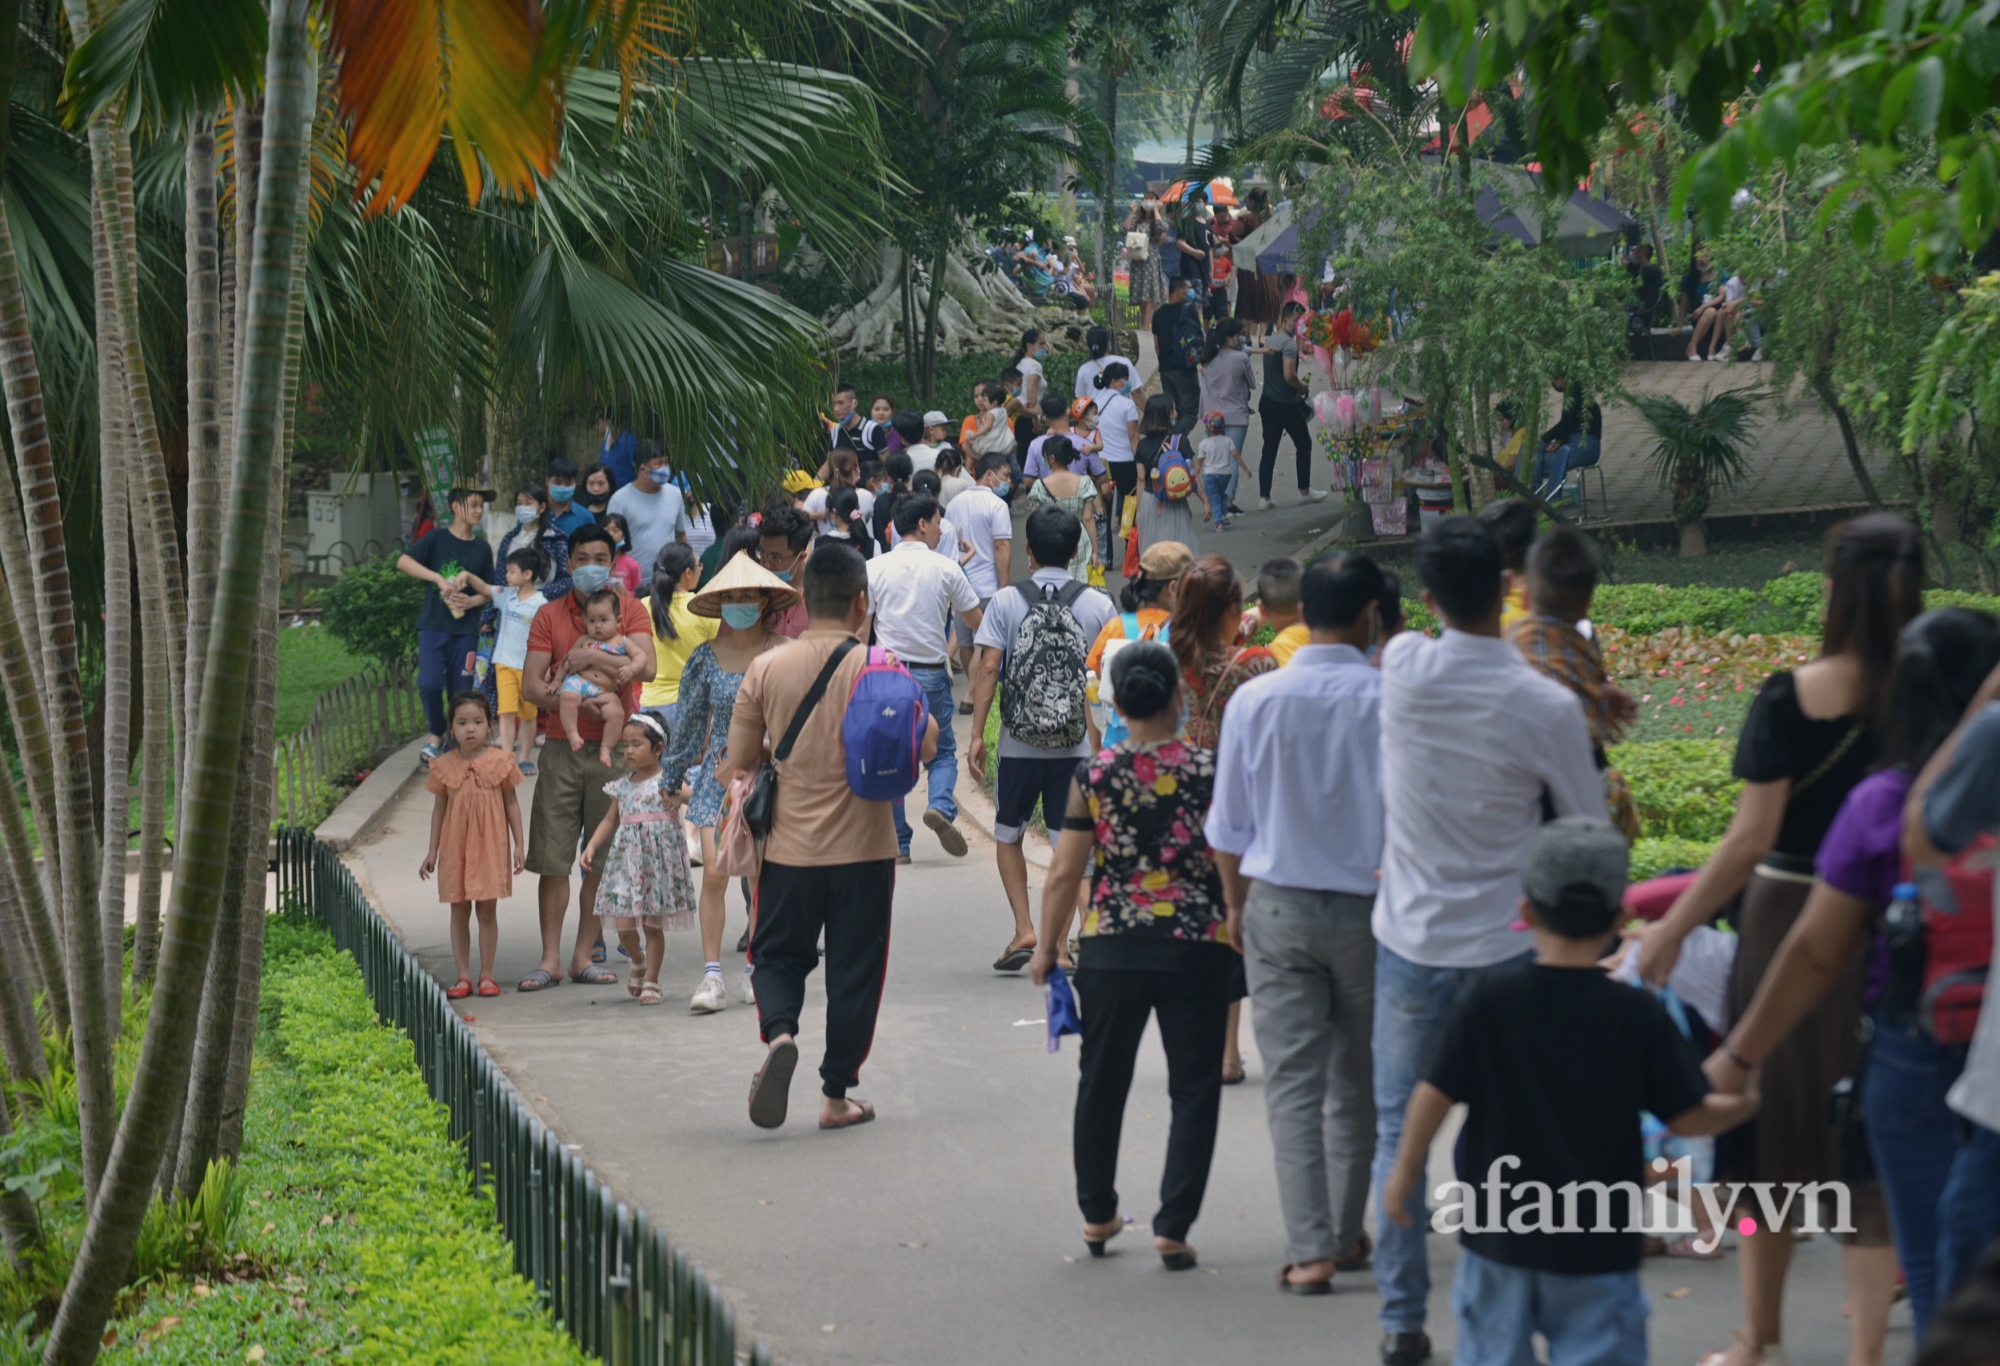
1795,462
946,1231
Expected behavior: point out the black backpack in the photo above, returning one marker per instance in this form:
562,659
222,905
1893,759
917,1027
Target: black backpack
1042,701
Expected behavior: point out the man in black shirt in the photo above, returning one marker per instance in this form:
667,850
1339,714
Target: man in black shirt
1178,379
1574,443
1555,1061
1647,282
457,564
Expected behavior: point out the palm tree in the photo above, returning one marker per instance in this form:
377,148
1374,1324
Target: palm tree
1700,451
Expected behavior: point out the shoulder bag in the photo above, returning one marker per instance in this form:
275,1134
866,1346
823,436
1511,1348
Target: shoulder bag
760,805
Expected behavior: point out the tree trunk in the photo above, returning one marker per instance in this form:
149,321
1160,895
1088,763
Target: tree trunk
1823,387
115,491
1694,538
932,303
67,765
1107,253
20,1033
160,1081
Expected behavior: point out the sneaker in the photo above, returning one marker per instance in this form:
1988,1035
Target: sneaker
1235,511
1758,354
746,991
428,753
743,944
1312,495
949,835
1405,1349
903,857
1265,505
709,997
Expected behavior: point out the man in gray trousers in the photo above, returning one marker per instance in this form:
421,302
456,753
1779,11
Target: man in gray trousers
1296,827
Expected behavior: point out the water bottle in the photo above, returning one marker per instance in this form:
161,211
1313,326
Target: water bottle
1903,931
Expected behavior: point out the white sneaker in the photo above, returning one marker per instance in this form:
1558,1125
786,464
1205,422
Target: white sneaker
749,993
1265,505
709,997
1312,495
1758,354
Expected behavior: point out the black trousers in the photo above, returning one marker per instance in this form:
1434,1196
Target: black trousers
1193,1008
850,902
1124,480
1185,387
1282,420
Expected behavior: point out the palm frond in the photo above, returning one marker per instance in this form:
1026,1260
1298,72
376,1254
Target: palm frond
1710,439
166,59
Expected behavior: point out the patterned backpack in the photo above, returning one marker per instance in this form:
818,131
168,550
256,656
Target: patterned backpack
1042,698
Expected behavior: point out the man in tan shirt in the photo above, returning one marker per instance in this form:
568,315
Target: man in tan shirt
830,862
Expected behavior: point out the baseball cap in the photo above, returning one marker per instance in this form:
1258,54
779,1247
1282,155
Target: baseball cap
1577,869
934,418
1165,560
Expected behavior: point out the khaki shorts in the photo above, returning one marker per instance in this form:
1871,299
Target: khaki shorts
570,802
507,684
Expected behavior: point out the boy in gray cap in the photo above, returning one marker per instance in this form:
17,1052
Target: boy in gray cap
1554,1061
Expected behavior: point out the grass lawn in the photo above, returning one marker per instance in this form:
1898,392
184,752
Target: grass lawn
310,661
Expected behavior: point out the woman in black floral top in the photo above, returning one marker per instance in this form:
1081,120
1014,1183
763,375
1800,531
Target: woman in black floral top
1155,943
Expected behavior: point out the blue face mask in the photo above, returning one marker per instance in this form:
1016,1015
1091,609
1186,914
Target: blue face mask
588,578
525,516
1000,489
561,493
785,575
1041,352
741,616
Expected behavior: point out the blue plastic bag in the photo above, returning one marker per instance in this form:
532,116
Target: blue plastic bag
1063,1017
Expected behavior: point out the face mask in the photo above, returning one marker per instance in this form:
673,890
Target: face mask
784,575
561,493
1000,489
588,578
741,616
1041,352
620,546
658,474
525,516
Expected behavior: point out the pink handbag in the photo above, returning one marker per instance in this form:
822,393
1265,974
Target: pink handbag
736,852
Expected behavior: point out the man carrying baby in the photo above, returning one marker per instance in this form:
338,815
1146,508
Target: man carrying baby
570,800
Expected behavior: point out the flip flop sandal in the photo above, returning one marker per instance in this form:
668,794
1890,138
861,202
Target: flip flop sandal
539,980
1292,1287
488,987
649,994
770,1089
865,1115
1236,1078
1363,1250
459,990
597,952
595,976
1013,960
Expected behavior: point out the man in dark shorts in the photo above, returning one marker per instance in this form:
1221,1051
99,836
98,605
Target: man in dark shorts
570,800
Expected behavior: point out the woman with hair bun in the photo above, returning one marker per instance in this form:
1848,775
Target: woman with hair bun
1154,942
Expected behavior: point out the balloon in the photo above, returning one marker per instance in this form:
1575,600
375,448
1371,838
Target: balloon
1364,408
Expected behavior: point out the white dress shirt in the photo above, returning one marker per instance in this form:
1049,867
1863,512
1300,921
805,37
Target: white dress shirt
1471,739
911,591
1298,774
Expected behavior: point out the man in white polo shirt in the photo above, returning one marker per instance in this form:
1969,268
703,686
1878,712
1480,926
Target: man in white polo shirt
985,524
912,593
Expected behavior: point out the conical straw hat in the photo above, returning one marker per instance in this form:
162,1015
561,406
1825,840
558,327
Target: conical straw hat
742,572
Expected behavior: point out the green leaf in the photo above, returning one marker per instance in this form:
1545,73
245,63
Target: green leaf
1895,96
1778,125
166,59
1862,225
1978,196
1927,95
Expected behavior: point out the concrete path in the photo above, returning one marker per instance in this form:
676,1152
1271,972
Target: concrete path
947,1231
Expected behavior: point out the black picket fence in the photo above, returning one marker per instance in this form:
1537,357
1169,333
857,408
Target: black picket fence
616,1284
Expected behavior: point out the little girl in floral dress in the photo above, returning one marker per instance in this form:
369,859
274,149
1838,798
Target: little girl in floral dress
646,882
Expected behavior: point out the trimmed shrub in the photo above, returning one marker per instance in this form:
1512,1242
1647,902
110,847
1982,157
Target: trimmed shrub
1682,788
372,610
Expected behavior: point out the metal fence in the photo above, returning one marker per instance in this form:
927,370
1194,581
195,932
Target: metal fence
616,1283
365,714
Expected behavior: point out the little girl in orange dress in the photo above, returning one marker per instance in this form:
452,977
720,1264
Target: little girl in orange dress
476,818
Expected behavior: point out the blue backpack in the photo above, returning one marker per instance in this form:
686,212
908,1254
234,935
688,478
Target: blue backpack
883,729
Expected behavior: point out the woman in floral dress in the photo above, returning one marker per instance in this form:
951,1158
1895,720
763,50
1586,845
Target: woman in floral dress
1147,278
745,596
1155,941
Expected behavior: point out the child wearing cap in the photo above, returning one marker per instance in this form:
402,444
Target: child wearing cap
923,454
1217,454
1554,1061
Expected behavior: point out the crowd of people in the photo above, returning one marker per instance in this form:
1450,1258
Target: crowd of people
1422,903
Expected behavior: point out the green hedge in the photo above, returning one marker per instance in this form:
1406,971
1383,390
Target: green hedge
1788,605
1682,788
371,1244
1651,857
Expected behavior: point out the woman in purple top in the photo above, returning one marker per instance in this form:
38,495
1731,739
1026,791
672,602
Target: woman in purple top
1941,659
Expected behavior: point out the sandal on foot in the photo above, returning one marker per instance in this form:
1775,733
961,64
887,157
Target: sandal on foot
770,1089
1178,1259
635,981
1292,1287
539,980
1096,1245
649,994
488,987
459,990
597,952
1014,959
595,976
1363,1250
1236,1078
865,1115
